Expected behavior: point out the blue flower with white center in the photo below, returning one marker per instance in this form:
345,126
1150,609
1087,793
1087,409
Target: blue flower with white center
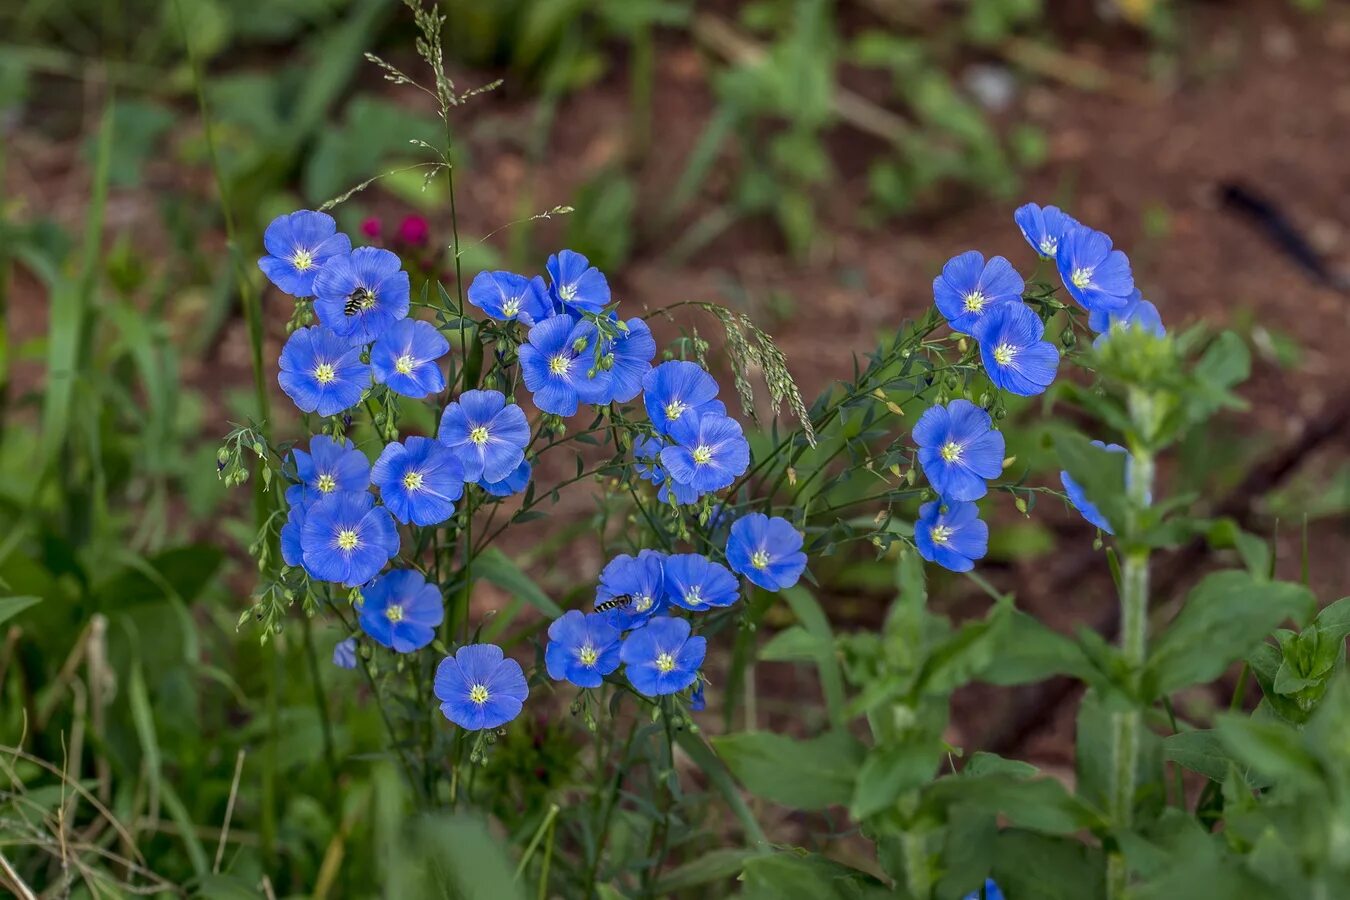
577,284
1137,313
487,434
1094,274
401,611
419,480
480,688
953,536
1043,227
321,372
766,551
404,357
990,892
560,367
1086,508
347,539
696,583
710,452
641,579
633,351
582,649
292,551
661,658
511,484
959,449
328,467
969,287
647,452
1015,356
299,245
360,295
344,654
508,297
678,388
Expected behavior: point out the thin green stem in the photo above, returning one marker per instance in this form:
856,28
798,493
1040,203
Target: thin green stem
320,701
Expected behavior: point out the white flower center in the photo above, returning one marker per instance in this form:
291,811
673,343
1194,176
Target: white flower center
675,409
703,454
324,373
587,655
348,539
1004,354
479,435
665,662
412,481
951,451
479,694
1081,277
327,483
760,559
941,534
404,364
511,307
303,260
394,613
975,302
559,364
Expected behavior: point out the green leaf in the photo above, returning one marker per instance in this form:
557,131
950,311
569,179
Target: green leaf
1047,868
889,772
1255,552
496,567
982,763
1100,473
1204,752
790,876
1031,652
809,774
1225,616
794,644
817,624
716,772
964,655
1272,748
715,865
12,606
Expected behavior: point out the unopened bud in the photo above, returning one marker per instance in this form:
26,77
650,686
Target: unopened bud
1021,505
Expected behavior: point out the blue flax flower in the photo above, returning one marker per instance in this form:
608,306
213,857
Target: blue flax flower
344,653
1086,508
633,352
321,372
710,452
480,688
404,357
329,467
360,295
419,480
953,538
766,551
508,297
511,484
1094,274
299,245
401,611
641,579
1016,357
647,452
576,283
661,657
1043,227
487,434
991,892
1137,313
969,287
678,388
560,368
581,649
292,550
696,583
347,539
697,703
958,449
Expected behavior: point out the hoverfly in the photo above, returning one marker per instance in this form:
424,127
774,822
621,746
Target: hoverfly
619,602
360,299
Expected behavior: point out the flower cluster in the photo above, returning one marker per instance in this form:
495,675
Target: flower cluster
959,450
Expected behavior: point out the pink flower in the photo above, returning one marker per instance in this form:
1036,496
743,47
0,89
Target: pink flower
413,230
371,228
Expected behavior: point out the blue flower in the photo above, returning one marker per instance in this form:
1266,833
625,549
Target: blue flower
321,372
1137,313
328,467
697,703
419,480
347,539
1016,358
647,452
661,658
1094,274
487,433
508,297
991,891
581,649
969,287
710,452
1086,508
697,583
479,688
401,611
404,357
766,551
1043,227
299,244
576,283
641,578
958,449
360,295
633,352
511,484
676,388
292,551
560,367
344,653
953,538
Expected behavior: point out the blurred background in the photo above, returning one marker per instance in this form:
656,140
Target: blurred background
812,163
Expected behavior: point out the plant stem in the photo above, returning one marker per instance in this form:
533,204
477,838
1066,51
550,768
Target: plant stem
320,701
